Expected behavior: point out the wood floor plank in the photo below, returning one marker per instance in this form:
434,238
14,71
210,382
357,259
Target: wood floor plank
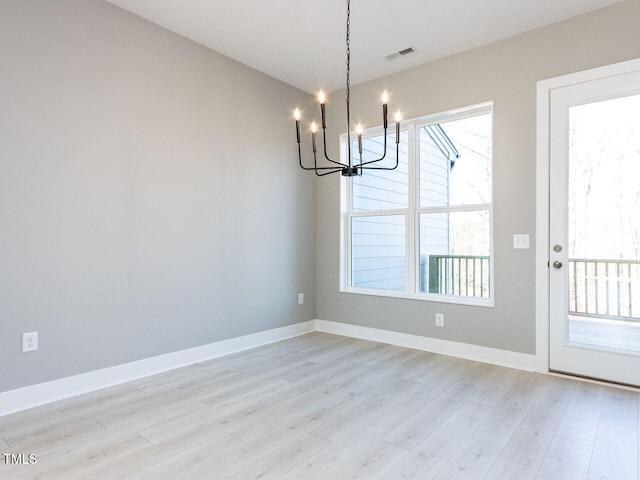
476,373
284,459
138,421
455,369
180,460
337,350
620,402
380,389
204,459
14,421
289,426
615,452
437,448
497,386
498,428
566,460
328,395
581,418
306,371
73,432
40,421
390,354
212,418
77,459
342,452
418,365
221,385
296,394
524,454
357,414
556,393
317,342
471,462
422,393
274,364
164,383
372,463
253,389
409,434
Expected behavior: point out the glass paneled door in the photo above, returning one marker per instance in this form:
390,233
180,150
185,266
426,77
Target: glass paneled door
594,275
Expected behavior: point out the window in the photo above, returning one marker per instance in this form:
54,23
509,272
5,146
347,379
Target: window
424,229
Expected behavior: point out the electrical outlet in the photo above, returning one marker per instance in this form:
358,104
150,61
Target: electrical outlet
300,298
29,342
439,319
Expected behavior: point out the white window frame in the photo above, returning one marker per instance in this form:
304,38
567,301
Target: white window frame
412,215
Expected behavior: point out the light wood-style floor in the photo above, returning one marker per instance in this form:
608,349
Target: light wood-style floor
326,407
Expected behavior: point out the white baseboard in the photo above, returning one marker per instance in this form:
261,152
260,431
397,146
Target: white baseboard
43,393
467,351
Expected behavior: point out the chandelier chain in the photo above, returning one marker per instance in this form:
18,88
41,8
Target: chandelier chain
348,48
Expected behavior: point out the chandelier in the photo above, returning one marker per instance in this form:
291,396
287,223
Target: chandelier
347,169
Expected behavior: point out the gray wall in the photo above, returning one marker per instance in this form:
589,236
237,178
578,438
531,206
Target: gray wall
506,73
149,194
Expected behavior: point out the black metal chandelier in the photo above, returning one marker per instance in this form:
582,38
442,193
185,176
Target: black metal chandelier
347,169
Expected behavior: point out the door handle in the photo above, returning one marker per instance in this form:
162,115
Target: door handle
557,264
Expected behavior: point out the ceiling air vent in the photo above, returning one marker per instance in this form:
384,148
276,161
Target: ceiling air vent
399,53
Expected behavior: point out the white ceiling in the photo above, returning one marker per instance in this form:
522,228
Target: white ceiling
302,42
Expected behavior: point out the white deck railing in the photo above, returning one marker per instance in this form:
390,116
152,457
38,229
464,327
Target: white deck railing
604,288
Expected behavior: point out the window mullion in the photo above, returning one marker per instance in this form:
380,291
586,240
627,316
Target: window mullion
379,213
455,208
411,208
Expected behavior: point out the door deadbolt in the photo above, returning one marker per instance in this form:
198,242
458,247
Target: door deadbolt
557,248
557,264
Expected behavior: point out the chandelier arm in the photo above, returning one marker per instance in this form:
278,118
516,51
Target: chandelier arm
335,170
385,168
300,158
312,168
379,159
317,168
324,141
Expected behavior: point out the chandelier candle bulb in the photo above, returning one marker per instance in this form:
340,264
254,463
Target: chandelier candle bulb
397,127
385,99
314,128
321,99
296,115
359,132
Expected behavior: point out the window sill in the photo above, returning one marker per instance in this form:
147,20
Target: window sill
425,297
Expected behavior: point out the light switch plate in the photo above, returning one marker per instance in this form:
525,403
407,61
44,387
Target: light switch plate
521,240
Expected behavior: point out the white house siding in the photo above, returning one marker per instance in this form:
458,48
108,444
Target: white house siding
434,192
378,242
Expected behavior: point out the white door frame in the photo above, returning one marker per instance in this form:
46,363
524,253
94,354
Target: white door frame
543,246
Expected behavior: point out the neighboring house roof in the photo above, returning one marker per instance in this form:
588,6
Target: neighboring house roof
443,142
